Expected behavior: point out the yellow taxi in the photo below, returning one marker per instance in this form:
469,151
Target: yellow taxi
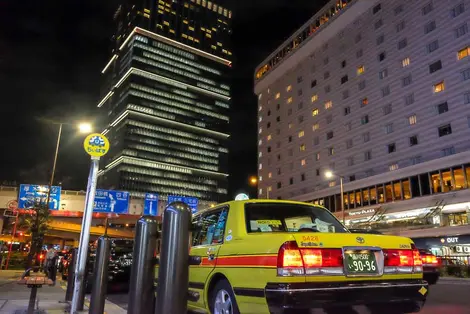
267,256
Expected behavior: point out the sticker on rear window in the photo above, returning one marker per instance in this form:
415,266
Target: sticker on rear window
269,222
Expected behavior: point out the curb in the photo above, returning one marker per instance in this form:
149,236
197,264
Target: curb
454,279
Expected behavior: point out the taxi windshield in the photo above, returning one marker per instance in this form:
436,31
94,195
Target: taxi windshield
285,217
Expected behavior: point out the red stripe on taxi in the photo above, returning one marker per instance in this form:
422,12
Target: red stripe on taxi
243,261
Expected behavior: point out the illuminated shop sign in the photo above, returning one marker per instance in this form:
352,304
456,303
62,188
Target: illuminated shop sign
362,212
450,240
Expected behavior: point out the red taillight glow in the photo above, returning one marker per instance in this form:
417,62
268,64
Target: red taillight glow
41,256
429,259
402,258
294,260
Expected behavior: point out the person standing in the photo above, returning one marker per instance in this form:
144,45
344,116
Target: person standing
49,260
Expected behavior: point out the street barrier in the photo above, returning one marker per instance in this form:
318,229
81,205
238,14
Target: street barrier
141,289
100,276
173,273
70,274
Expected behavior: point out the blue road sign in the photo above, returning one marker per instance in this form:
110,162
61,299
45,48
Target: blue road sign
110,201
31,195
192,202
151,204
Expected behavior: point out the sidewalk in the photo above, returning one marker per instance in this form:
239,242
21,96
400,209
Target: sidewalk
14,298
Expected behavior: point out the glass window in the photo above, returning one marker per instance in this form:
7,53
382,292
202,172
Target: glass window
373,196
346,201
381,194
365,197
459,178
397,191
436,182
209,228
337,203
352,200
447,180
269,217
388,193
414,181
445,130
467,174
358,199
425,185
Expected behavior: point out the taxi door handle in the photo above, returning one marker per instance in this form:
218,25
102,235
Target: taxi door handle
210,255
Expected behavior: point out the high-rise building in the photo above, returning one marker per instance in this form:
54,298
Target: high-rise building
167,99
377,95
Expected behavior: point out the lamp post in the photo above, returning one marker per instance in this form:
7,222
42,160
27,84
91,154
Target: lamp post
84,128
329,174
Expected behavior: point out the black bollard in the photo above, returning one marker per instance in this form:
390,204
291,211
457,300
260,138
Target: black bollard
70,275
173,273
141,289
100,276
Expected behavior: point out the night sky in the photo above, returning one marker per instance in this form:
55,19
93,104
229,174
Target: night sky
51,56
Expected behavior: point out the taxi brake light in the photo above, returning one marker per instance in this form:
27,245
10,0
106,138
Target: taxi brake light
295,261
289,256
41,256
417,258
398,257
429,259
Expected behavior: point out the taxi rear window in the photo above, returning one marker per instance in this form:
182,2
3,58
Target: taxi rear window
278,217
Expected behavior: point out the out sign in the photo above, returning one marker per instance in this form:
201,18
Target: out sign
453,240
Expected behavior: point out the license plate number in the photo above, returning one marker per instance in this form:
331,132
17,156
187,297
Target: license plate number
361,263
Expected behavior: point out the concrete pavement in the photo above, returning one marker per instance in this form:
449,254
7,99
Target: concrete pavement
14,297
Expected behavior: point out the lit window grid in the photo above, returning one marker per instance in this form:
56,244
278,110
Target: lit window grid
172,56
163,136
149,94
169,152
184,73
178,146
168,159
174,183
168,175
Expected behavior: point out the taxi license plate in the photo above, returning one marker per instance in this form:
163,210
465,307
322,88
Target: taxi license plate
360,262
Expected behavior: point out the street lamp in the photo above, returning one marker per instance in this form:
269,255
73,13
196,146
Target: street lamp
84,128
253,181
329,174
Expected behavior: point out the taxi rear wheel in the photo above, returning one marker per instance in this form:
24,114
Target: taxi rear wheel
222,299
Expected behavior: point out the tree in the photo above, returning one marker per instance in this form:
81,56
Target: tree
36,223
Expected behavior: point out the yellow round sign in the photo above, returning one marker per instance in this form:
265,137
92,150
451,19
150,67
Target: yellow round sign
96,145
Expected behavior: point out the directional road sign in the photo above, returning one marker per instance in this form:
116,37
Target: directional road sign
192,202
151,204
30,195
110,201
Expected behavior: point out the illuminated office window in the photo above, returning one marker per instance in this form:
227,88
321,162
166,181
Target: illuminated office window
278,95
439,87
315,112
463,53
360,70
328,104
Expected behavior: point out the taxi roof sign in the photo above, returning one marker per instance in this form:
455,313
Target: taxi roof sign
241,197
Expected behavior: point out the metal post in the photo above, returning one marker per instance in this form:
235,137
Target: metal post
32,299
85,234
70,275
51,182
141,289
100,276
342,198
52,273
173,274
83,289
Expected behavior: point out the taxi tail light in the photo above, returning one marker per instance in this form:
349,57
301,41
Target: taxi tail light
402,261
293,261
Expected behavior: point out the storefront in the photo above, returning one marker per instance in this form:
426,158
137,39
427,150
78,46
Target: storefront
456,247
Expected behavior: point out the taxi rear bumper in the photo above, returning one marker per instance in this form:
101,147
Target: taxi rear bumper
287,297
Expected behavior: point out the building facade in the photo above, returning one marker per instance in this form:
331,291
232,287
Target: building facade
167,100
376,93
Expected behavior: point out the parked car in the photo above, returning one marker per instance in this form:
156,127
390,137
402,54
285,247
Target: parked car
273,256
431,266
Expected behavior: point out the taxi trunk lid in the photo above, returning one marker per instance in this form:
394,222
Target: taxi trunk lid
340,240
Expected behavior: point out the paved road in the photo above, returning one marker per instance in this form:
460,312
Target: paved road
447,297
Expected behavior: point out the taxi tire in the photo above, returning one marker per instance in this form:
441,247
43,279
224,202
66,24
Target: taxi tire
223,284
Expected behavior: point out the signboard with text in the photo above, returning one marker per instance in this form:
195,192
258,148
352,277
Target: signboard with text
31,195
110,201
192,202
151,204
